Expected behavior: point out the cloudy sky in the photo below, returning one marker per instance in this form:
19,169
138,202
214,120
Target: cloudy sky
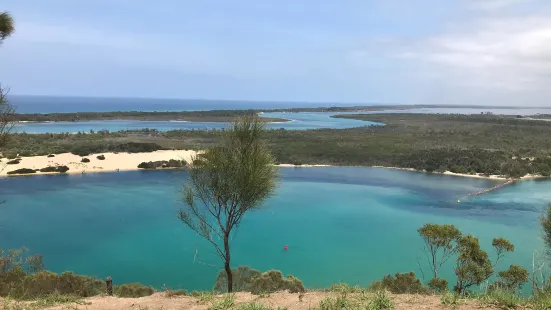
495,52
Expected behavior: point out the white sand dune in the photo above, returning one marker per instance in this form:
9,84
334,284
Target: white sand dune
112,162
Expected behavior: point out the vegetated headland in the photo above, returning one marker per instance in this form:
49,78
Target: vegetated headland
190,116
210,115
486,145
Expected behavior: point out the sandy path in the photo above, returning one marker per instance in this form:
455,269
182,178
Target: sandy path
112,162
283,300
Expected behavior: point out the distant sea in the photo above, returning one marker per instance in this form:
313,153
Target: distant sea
47,104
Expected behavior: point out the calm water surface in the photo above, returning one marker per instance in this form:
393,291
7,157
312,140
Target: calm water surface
341,224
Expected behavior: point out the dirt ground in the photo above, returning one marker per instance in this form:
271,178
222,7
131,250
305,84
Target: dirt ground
283,300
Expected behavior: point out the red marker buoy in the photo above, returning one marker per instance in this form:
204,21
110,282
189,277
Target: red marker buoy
285,247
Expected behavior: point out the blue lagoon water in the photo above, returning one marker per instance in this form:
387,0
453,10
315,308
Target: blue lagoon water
341,224
298,121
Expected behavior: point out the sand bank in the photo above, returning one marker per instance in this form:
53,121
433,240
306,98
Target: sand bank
112,161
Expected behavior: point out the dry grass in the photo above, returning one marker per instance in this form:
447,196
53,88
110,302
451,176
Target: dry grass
310,300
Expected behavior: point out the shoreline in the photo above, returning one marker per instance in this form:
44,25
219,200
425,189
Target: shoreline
122,161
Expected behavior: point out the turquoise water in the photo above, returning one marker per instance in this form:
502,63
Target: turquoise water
341,224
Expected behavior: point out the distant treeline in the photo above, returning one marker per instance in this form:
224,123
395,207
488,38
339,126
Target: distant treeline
484,144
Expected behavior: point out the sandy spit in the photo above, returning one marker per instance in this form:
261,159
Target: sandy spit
112,162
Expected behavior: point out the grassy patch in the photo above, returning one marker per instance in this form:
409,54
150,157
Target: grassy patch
223,303
501,298
133,290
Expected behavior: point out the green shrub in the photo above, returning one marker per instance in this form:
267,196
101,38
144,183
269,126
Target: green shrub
101,157
173,163
133,290
251,280
51,155
438,285
60,169
22,171
85,160
242,279
20,285
401,283
273,281
14,162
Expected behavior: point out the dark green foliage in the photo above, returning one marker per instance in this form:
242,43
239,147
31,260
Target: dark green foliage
85,160
511,279
173,163
20,285
440,244
473,265
60,169
96,146
545,222
246,279
273,281
6,26
243,276
22,171
101,157
133,290
51,155
502,246
438,285
14,162
401,283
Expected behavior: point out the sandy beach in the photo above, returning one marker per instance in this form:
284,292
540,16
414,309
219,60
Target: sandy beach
112,161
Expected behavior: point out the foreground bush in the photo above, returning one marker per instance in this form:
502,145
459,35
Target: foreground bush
401,283
85,160
243,276
14,162
249,280
18,284
133,290
22,171
101,157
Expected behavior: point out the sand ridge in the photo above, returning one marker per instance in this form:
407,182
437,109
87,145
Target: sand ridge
112,162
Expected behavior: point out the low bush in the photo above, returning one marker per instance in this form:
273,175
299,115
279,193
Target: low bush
101,157
22,171
173,163
243,276
133,290
18,284
14,162
250,280
85,160
401,283
60,169
51,155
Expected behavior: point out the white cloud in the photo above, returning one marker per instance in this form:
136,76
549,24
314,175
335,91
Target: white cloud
507,54
493,4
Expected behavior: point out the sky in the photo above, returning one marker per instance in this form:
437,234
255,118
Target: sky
491,52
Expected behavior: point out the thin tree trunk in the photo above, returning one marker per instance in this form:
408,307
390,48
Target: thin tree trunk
227,263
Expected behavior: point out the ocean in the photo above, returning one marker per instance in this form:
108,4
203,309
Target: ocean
342,224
